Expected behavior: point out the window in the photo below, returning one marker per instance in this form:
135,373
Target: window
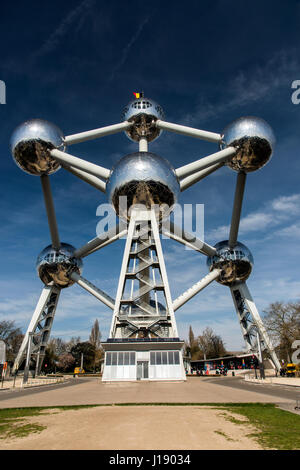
114,359
120,359
164,357
126,359
152,358
108,359
158,358
171,357
132,359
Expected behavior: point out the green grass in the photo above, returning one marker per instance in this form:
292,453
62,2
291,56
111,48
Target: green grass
13,420
275,428
223,434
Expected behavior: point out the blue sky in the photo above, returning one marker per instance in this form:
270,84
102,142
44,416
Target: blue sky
207,63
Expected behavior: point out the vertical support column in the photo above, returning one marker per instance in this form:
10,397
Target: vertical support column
163,272
251,322
40,326
121,284
143,315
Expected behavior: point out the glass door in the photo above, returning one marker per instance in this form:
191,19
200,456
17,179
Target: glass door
142,370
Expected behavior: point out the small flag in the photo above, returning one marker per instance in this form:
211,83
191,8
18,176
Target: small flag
138,95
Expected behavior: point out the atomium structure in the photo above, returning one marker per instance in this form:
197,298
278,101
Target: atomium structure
143,187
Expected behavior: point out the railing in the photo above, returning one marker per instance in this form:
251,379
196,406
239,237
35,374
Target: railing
37,382
144,340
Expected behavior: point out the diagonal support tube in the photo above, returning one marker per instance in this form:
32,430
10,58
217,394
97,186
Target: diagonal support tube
172,231
189,131
95,291
196,288
205,162
45,181
96,133
237,208
84,176
70,160
99,242
185,183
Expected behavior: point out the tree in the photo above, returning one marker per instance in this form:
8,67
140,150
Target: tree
95,339
12,336
282,322
192,347
73,341
95,336
88,351
211,345
66,362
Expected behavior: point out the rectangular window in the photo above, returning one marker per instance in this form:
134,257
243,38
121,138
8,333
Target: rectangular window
132,358
108,359
171,357
152,358
114,359
120,358
126,359
158,358
164,357
176,357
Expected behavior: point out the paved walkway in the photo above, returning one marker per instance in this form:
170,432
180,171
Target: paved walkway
92,391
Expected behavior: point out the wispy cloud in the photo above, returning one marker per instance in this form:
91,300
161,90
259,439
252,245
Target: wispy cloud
128,47
77,15
274,213
250,86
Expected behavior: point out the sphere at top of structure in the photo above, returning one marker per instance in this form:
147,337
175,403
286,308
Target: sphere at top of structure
143,112
254,140
145,179
236,263
55,267
31,143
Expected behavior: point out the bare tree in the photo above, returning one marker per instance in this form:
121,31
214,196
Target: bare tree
95,336
12,336
95,340
283,324
210,344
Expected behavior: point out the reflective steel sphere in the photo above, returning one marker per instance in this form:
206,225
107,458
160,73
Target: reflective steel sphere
31,143
56,266
144,178
236,263
254,141
143,112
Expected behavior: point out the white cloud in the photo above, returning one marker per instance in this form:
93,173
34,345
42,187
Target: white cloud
274,213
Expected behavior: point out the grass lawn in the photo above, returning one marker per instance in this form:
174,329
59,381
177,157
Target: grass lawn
276,428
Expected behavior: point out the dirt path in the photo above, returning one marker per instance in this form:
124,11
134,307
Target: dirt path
135,428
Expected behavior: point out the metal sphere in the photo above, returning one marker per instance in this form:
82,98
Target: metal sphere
143,112
236,263
55,267
146,179
31,143
254,140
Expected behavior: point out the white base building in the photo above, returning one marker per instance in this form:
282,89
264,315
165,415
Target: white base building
143,360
